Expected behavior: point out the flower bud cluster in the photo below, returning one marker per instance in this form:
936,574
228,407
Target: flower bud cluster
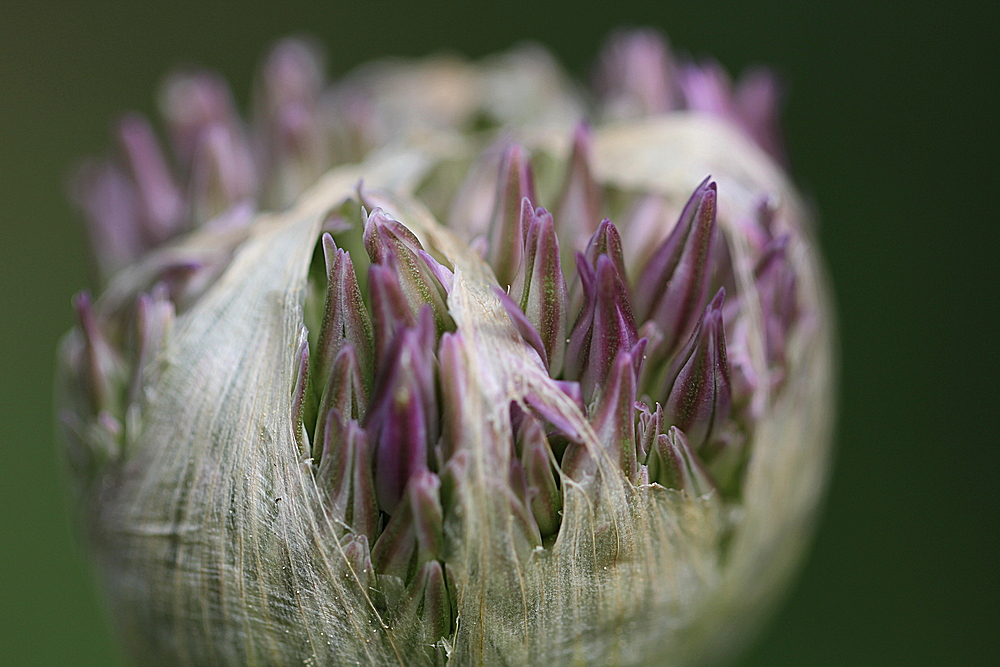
508,441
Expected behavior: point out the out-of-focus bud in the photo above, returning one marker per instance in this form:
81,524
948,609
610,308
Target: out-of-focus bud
753,106
292,144
511,215
579,210
635,75
161,206
109,202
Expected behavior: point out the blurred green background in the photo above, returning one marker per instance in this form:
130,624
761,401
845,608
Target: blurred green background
889,132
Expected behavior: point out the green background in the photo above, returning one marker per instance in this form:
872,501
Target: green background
889,132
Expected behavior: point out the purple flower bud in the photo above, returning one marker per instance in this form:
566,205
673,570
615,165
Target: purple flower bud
604,328
223,174
344,393
511,213
673,464
390,310
413,535
613,419
635,76
403,420
753,107
191,103
345,318
345,473
99,364
606,241
540,288
757,101
428,606
758,224
160,205
358,562
154,316
707,88
650,425
523,325
390,244
454,369
579,208
672,288
699,397
776,284
299,395
572,389
514,497
290,126
643,228
545,409
110,203
543,494
472,208
453,479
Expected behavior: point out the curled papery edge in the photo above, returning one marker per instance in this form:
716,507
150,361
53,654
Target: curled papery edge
210,531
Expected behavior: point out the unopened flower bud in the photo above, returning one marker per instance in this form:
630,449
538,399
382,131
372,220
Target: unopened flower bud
512,213
700,395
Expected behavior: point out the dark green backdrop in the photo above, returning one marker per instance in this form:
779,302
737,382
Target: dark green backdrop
889,131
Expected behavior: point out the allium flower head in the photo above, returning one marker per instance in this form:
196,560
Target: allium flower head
440,365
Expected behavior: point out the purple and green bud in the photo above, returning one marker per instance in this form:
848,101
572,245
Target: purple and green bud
672,288
543,493
100,366
345,474
192,103
223,174
419,276
636,75
604,328
776,286
613,420
345,317
300,394
413,535
292,145
699,398
674,465
402,422
753,105
428,605
154,317
344,395
540,288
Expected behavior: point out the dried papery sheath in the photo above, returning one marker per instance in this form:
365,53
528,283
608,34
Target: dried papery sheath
586,422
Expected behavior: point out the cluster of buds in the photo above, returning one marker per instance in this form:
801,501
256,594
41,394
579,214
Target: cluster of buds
306,422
